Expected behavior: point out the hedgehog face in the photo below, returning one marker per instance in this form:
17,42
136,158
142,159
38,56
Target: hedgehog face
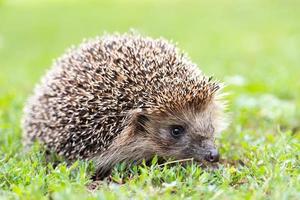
183,134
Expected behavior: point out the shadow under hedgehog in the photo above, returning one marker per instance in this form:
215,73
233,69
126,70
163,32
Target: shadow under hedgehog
125,98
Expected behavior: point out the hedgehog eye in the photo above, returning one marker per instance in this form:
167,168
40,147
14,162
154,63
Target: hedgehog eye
177,131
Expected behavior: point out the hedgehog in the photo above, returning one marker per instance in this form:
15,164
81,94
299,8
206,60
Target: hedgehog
125,98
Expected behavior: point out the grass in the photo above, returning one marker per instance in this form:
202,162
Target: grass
251,45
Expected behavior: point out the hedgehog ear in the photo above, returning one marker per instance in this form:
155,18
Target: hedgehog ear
141,121
137,120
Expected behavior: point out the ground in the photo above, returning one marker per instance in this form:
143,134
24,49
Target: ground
253,46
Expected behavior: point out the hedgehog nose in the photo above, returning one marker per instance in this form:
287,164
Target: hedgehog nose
212,156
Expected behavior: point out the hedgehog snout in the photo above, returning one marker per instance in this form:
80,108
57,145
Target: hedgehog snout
212,155
204,150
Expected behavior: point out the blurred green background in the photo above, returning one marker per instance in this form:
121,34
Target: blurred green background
258,40
251,45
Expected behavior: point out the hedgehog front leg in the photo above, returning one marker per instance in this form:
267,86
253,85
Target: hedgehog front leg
126,148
